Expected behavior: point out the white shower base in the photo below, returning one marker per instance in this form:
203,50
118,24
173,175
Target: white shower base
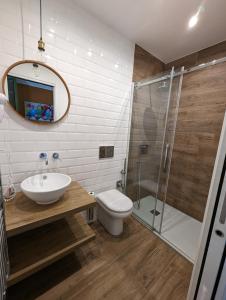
178,229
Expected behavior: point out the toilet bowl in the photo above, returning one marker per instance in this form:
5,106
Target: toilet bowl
112,208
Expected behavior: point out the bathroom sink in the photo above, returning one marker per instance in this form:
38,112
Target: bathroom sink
45,188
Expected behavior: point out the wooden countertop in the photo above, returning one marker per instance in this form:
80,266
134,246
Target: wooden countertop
23,214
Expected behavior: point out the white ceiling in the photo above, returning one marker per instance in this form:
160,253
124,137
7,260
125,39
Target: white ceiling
161,26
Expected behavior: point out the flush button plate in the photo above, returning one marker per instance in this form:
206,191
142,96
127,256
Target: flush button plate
106,152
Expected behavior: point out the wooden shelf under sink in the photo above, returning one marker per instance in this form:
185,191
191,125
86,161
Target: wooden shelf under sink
35,249
23,214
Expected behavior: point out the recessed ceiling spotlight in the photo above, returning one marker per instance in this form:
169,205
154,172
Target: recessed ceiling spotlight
193,20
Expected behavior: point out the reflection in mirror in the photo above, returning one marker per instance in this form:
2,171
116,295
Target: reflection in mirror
36,92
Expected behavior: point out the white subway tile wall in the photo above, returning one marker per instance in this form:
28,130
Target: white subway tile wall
97,64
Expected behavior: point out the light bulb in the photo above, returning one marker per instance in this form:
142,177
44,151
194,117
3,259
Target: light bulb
40,56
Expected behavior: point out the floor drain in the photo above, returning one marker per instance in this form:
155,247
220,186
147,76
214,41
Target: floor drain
155,212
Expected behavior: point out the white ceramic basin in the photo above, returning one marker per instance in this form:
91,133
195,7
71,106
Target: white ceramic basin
45,188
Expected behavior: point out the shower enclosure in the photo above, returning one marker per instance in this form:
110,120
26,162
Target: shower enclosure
154,118
176,123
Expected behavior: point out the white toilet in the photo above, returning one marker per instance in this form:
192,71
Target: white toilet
112,208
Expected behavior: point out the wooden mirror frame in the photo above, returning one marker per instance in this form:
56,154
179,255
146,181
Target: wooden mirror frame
51,69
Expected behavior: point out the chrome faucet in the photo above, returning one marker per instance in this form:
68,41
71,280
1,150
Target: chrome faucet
44,156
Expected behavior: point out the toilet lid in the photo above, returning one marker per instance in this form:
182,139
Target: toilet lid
115,201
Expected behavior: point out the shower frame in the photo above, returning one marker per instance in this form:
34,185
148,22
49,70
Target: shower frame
183,71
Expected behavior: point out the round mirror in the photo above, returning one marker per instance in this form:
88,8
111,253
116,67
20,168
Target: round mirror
36,92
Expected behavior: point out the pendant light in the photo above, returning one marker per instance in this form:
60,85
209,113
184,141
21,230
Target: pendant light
41,44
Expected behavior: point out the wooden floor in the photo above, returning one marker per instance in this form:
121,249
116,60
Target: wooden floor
136,266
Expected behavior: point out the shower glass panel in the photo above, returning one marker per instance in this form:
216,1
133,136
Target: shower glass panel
149,152
168,144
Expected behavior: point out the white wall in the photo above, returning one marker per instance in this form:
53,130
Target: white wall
97,64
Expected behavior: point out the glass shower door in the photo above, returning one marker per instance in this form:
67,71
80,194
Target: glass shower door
167,150
147,149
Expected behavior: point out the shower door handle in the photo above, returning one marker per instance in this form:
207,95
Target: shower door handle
166,157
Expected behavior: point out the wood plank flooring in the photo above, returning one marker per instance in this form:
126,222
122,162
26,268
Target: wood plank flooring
138,265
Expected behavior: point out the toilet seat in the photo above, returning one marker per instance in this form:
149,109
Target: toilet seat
115,201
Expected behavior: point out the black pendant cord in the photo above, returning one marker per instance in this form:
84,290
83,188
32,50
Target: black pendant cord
40,19
41,44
